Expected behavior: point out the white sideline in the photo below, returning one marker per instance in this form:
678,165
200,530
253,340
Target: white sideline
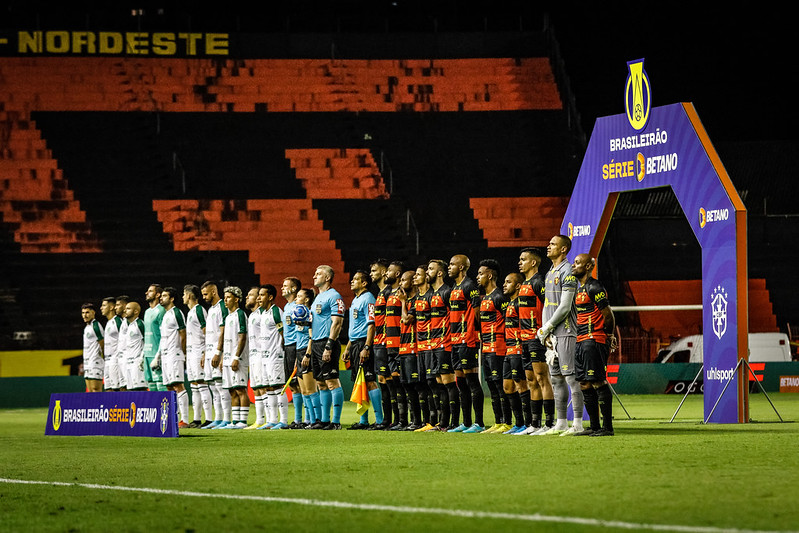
458,513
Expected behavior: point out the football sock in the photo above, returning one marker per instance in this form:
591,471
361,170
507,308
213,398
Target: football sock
216,391
183,405
578,404
309,413
454,403
402,403
413,401
515,402
316,406
424,401
549,412
298,401
392,391
282,406
337,398
433,401
443,404
227,407
592,407
496,401
376,398
325,401
205,397
259,409
385,399
535,408
466,400
478,399
605,405
561,390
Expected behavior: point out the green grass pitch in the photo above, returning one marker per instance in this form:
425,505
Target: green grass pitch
653,475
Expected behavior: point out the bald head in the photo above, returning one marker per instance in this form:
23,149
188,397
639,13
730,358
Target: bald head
132,311
583,266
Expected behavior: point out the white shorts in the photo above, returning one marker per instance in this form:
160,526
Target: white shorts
257,376
275,371
93,367
564,364
134,375
113,375
234,379
195,372
173,369
122,365
209,371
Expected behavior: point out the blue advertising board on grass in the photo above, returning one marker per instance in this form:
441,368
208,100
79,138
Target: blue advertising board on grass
667,146
121,414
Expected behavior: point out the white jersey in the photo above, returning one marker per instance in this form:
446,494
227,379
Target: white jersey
111,338
213,326
254,333
195,326
271,328
93,363
122,341
172,324
235,324
134,340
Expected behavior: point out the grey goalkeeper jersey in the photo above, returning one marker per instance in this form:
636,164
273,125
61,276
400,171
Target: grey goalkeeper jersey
557,279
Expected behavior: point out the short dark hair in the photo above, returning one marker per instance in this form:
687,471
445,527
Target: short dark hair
87,305
171,291
381,262
440,262
309,294
535,252
194,290
517,276
294,281
208,284
567,242
110,299
491,264
156,286
270,289
364,275
398,263
123,298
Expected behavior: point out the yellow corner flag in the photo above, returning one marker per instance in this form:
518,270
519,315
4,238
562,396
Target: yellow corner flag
360,394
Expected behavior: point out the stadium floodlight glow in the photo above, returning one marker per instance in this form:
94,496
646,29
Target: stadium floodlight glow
650,147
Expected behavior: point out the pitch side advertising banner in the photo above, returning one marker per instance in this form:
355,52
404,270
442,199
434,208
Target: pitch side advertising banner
121,414
649,147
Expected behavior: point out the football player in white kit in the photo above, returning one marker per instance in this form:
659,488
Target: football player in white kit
235,356
111,372
195,353
133,341
257,382
212,374
277,409
122,360
92,350
171,355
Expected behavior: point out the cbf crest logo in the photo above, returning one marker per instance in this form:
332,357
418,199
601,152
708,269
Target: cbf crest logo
637,95
718,303
57,415
164,414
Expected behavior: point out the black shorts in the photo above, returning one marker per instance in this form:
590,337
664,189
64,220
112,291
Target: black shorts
356,347
290,361
493,366
514,368
380,356
444,361
536,351
428,364
325,370
590,360
393,362
409,368
464,357
302,370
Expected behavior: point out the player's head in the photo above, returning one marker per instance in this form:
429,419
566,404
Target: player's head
377,269
87,312
529,260
436,269
120,303
290,287
488,272
132,311
251,300
393,272
510,287
266,295
168,295
153,293
558,247
210,292
360,281
233,296
458,266
107,306
305,297
583,265
406,280
323,276
420,276
191,294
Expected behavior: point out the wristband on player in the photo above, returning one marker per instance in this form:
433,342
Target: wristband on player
236,358
329,344
217,351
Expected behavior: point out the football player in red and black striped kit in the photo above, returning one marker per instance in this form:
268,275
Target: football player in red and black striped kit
531,298
393,323
377,271
514,382
440,345
428,369
492,343
595,326
464,300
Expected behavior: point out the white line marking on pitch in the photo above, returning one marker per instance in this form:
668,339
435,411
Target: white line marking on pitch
458,513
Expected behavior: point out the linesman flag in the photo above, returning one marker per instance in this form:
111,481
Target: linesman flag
360,394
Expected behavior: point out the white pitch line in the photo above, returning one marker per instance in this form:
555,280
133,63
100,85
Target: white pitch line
457,513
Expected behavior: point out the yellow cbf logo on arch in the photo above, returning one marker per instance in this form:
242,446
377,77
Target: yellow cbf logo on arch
637,95
57,415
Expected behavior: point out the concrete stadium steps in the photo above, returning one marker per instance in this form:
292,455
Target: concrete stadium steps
71,279
35,199
282,237
277,85
672,324
345,173
519,221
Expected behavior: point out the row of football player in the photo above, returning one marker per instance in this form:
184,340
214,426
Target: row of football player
417,342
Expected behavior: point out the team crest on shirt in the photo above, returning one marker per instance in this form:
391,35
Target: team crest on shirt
318,309
718,304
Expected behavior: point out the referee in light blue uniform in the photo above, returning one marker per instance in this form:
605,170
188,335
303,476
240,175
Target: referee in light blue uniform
328,317
359,348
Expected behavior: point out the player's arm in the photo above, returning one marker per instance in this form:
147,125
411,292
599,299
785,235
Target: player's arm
101,342
370,338
239,350
306,360
182,334
335,329
219,344
564,307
